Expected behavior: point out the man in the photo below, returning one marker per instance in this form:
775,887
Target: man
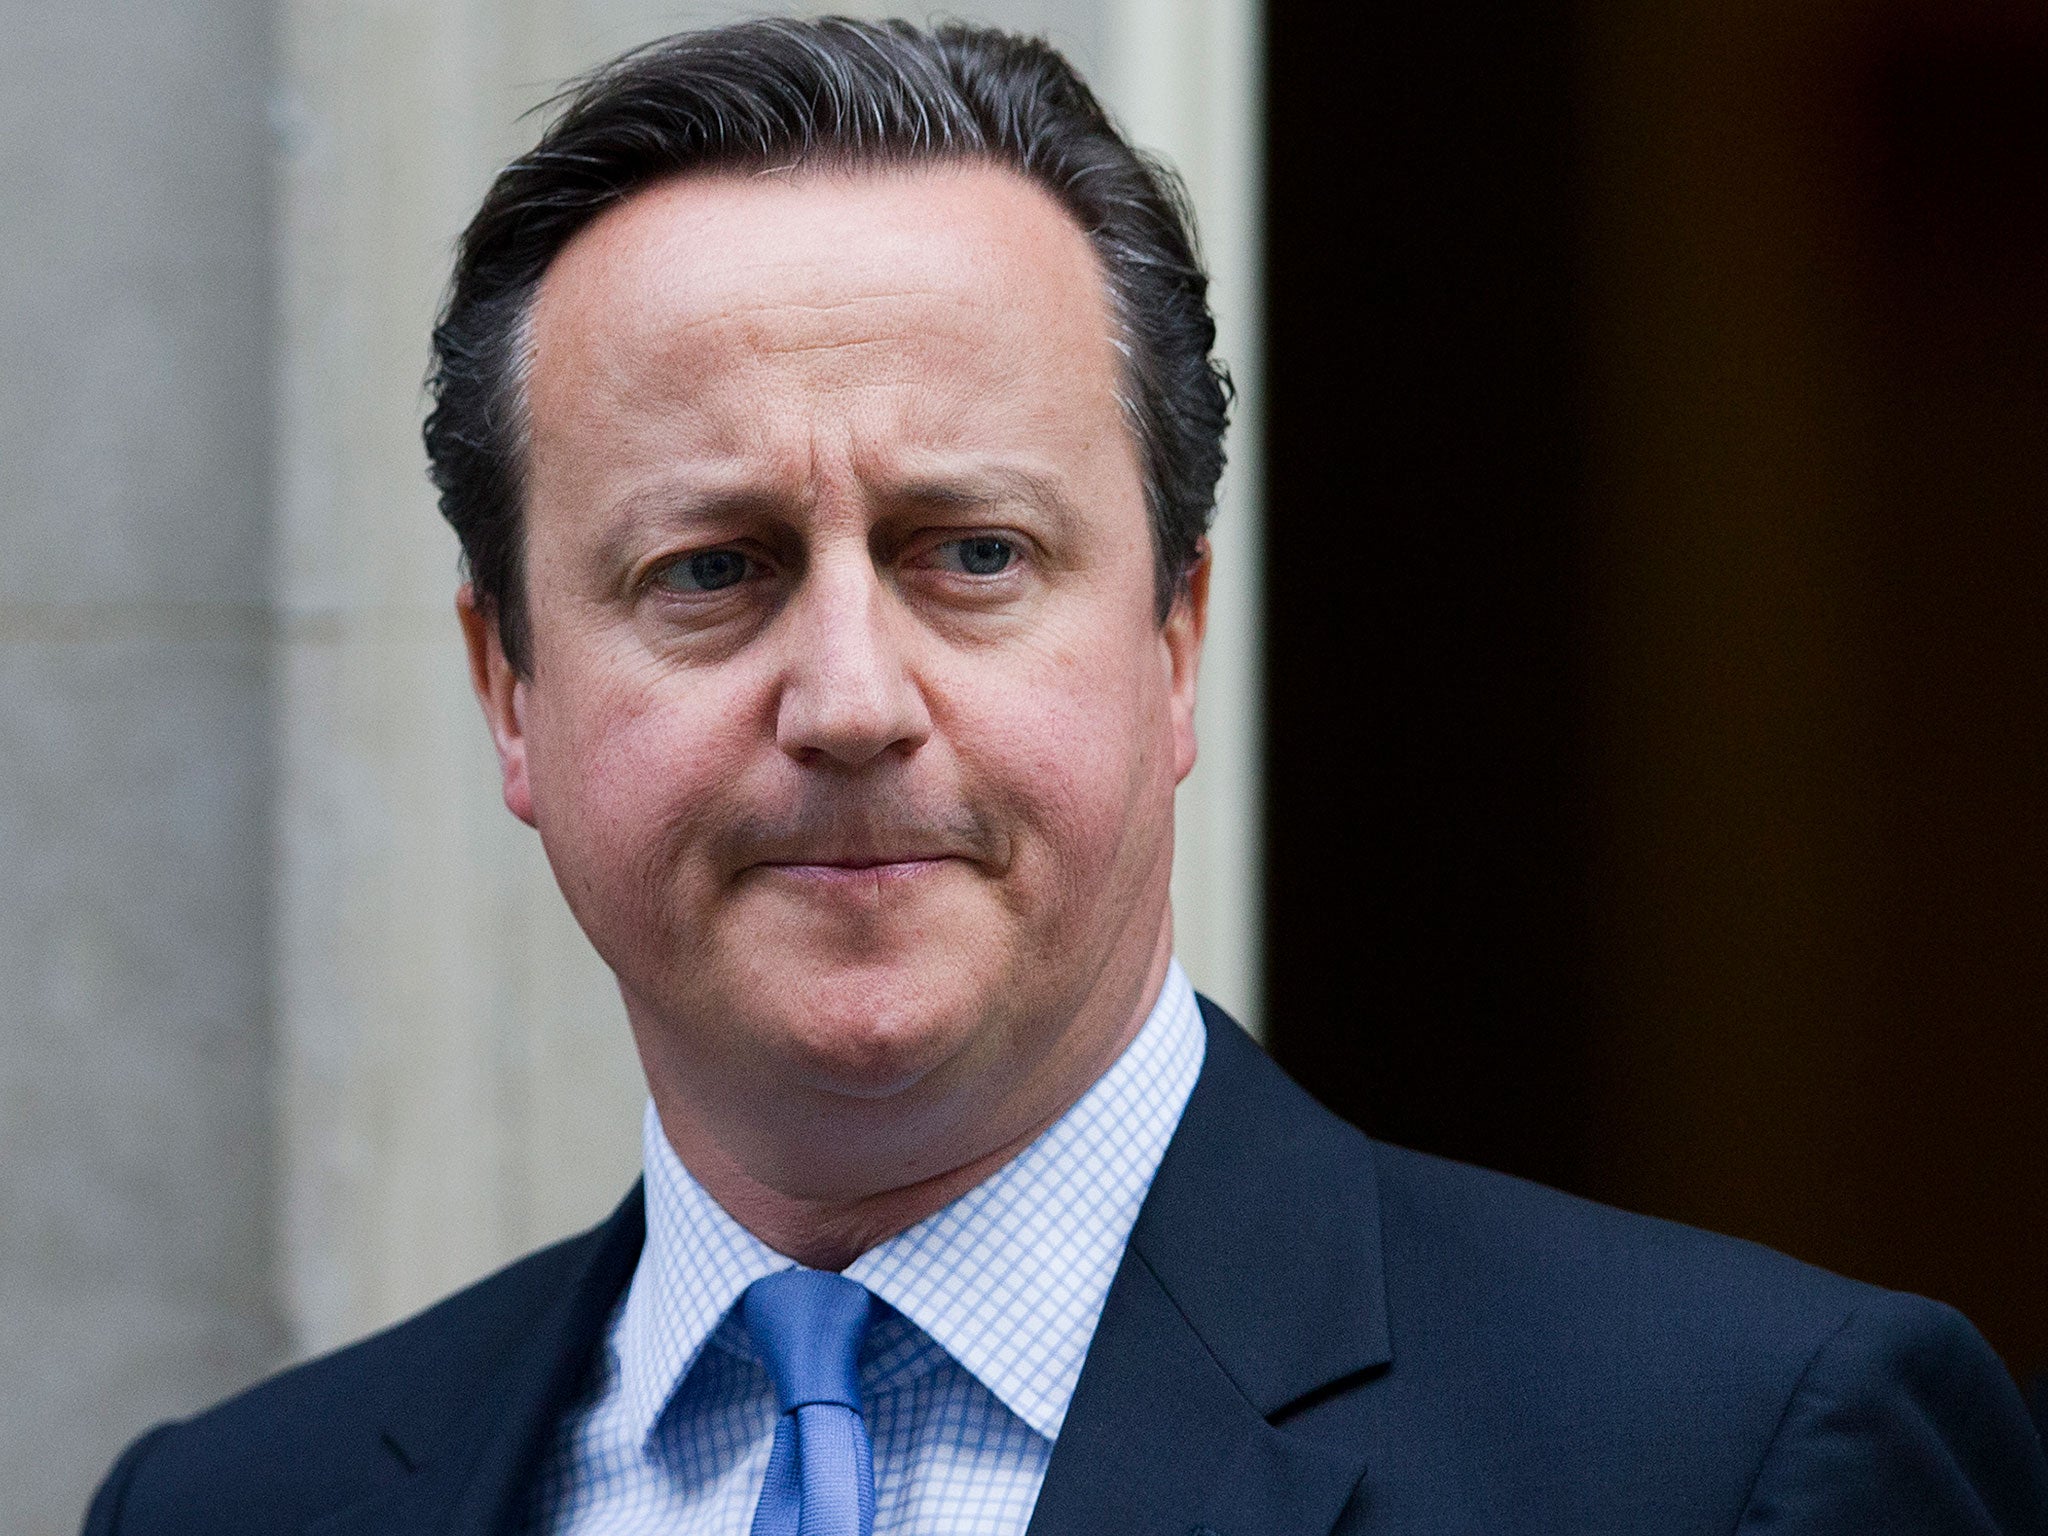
827,415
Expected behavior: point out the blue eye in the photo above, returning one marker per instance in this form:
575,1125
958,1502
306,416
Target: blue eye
707,571
982,555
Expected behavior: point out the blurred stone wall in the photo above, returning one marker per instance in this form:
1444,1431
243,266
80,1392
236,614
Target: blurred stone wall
137,1273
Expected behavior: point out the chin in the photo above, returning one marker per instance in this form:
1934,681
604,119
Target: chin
874,1031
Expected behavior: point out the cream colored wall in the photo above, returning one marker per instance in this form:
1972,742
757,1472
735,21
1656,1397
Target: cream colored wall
453,1078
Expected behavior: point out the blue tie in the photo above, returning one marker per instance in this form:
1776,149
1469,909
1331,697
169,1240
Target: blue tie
808,1325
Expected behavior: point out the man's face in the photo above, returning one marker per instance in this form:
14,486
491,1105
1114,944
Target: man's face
851,731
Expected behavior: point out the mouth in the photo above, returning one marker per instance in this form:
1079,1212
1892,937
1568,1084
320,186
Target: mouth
880,866
868,846
855,876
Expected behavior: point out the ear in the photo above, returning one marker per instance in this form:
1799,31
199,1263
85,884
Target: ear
1186,623
502,693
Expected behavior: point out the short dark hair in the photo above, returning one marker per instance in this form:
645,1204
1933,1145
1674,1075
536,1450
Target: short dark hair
838,92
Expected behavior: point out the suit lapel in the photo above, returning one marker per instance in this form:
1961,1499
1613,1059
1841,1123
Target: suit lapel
1250,1300
470,1475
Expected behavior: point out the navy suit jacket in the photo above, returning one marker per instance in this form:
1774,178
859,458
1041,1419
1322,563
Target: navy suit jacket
1310,1331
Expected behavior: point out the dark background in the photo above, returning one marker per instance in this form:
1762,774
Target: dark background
1658,654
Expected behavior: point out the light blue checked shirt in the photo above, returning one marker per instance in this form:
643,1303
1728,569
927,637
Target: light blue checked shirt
966,1379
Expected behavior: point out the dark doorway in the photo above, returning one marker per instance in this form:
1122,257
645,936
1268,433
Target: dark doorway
1425,924
1658,536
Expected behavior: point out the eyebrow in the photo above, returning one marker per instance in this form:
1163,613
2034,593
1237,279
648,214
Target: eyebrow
987,486
677,504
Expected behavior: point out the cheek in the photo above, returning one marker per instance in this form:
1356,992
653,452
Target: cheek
629,770
1079,752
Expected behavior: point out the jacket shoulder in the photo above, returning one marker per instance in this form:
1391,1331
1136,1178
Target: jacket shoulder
338,1428
1904,1420
1545,1282
1595,1339
1571,1255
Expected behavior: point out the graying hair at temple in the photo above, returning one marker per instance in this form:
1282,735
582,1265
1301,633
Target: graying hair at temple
839,93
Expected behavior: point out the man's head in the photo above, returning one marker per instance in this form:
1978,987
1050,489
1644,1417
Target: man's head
843,652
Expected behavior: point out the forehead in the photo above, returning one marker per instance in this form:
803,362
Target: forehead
952,286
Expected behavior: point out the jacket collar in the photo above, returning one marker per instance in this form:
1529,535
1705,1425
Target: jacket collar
1217,1396
472,1464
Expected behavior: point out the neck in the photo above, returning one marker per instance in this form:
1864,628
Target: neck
830,1233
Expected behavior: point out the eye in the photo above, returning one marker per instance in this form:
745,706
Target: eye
981,555
706,571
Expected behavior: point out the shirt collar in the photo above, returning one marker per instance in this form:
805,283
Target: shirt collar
695,1264
1009,1279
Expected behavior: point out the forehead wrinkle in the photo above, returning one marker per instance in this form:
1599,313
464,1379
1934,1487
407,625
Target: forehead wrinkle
820,348
772,326
683,314
855,300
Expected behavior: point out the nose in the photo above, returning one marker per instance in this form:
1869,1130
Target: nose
848,695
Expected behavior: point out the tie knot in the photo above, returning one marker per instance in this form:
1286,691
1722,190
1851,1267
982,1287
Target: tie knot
808,1325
